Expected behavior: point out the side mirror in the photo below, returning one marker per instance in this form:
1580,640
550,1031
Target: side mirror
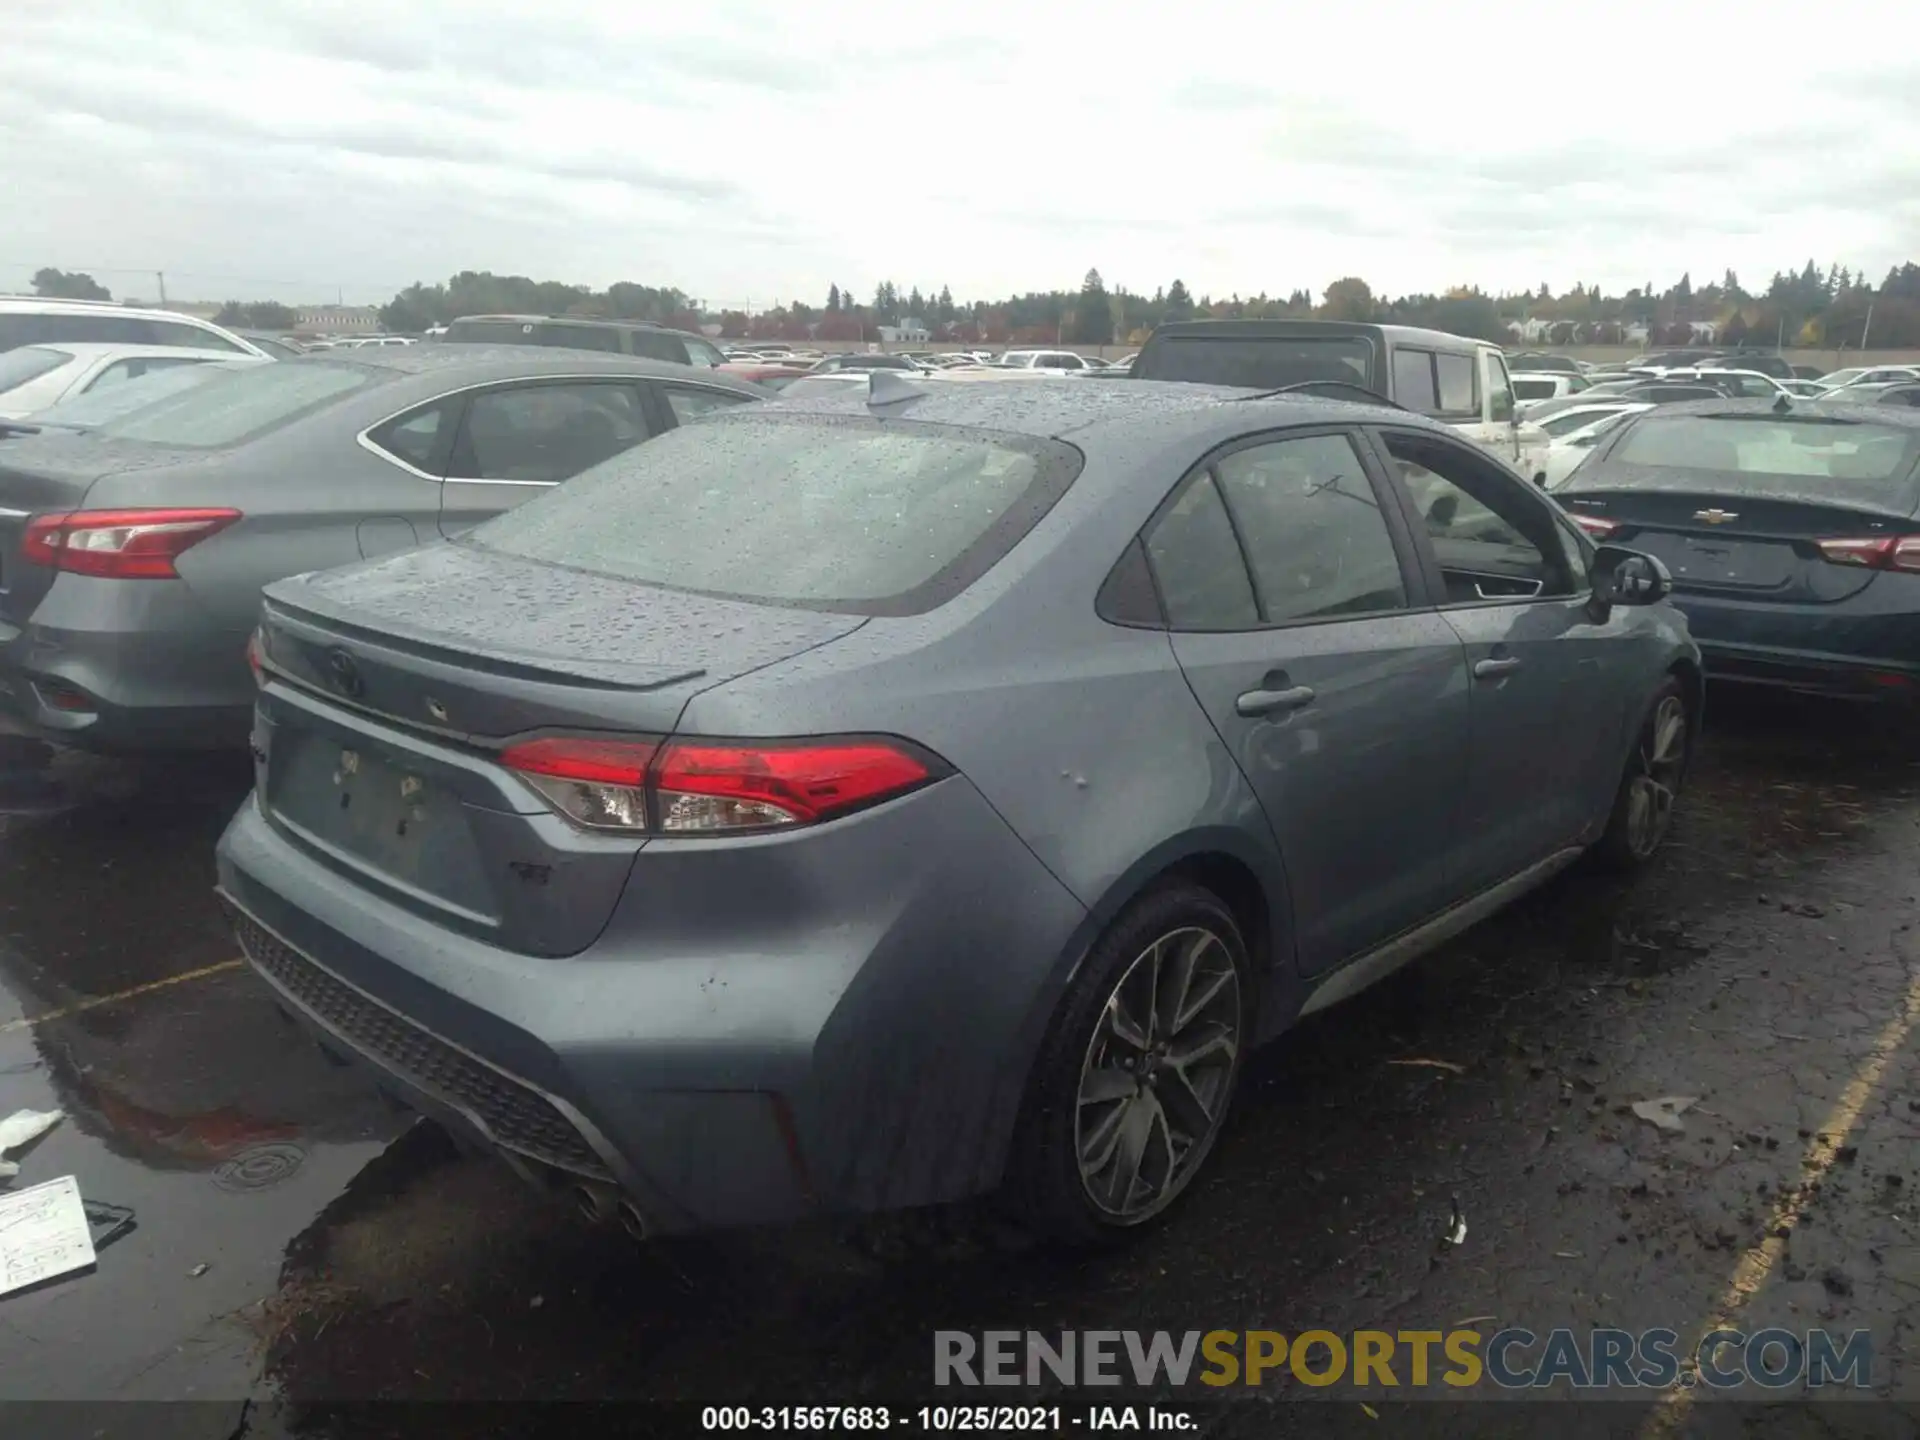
1627,577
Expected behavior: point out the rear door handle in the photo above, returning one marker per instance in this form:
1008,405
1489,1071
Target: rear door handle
1255,703
1494,669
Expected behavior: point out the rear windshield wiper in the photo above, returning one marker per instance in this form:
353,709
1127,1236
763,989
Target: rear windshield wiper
1371,397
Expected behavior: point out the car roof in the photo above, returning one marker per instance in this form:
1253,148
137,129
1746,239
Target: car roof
1056,407
1395,334
35,303
95,349
1817,410
595,321
481,363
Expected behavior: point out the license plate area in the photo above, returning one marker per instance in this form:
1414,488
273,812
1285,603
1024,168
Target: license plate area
367,808
1731,564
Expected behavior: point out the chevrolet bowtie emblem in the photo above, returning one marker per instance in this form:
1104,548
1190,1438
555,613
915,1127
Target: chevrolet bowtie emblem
1716,517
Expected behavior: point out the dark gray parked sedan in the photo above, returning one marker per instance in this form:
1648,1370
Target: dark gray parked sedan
884,799
132,556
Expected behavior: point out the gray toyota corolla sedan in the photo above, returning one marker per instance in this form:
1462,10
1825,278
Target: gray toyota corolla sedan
891,798
132,555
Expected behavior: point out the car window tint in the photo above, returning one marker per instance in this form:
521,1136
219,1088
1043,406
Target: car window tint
1527,387
1492,541
29,362
657,345
121,371
1499,390
1458,394
167,332
700,353
1413,380
547,432
416,436
1312,529
1197,565
74,327
689,404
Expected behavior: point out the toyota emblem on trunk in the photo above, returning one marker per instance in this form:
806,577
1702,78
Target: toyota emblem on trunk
346,674
1716,517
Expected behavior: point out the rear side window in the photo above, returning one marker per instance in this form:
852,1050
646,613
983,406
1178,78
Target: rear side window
1413,381
29,362
546,433
417,438
700,353
121,371
657,345
1458,393
690,404
1197,564
1311,524
241,404
823,512
75,328
190,337
1525,387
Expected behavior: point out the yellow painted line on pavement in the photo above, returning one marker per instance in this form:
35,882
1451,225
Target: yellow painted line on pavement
27,1022
1828,1139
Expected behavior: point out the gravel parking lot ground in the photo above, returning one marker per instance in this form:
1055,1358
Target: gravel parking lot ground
1767,964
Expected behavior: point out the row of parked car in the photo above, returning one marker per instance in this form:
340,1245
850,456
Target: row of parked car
917,787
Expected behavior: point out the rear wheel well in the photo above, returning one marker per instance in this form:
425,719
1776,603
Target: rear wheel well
1241,891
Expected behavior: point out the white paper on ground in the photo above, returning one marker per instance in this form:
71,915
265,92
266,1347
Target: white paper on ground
43,1233
19,1128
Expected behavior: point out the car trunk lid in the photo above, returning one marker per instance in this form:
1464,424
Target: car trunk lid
393,686
1753,547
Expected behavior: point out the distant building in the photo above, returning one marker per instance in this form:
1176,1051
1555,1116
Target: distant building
911,330
336,320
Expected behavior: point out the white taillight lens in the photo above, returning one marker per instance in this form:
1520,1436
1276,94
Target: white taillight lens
601,784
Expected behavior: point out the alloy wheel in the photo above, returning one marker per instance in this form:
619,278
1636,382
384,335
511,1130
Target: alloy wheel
1656,778
1157,1074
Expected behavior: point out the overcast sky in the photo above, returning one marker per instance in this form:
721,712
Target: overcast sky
752,152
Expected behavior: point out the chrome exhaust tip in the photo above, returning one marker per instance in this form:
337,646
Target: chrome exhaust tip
597,1204
632,1221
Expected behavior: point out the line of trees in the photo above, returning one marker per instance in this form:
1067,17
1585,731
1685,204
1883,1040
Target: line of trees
1832,309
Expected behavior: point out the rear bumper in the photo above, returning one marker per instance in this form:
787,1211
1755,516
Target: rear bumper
853,1036
1864,648
126,690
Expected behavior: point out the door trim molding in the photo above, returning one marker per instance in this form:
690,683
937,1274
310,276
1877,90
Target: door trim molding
1376,964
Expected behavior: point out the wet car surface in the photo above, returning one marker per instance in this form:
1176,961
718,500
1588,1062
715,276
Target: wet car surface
1767,963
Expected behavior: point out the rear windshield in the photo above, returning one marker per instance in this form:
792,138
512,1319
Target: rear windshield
29,362
534,332
96,407
241,403
1864,463
1264,364
833,513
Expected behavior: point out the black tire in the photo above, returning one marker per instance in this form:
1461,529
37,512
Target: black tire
1191,928
1627,843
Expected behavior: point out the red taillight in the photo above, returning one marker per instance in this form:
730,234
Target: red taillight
705,787
1882,552
257,657
1594,525
120,544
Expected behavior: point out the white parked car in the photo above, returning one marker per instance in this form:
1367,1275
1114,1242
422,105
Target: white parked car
1573,431
1047,362
33,377
1532,386
1869,375
28,320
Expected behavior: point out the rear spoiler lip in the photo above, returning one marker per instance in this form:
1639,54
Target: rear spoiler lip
1599,484
438,648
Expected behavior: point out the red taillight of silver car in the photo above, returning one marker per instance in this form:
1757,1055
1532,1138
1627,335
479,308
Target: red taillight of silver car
716,787
120,544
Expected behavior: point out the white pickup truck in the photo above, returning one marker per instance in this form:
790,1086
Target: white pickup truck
1459,381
